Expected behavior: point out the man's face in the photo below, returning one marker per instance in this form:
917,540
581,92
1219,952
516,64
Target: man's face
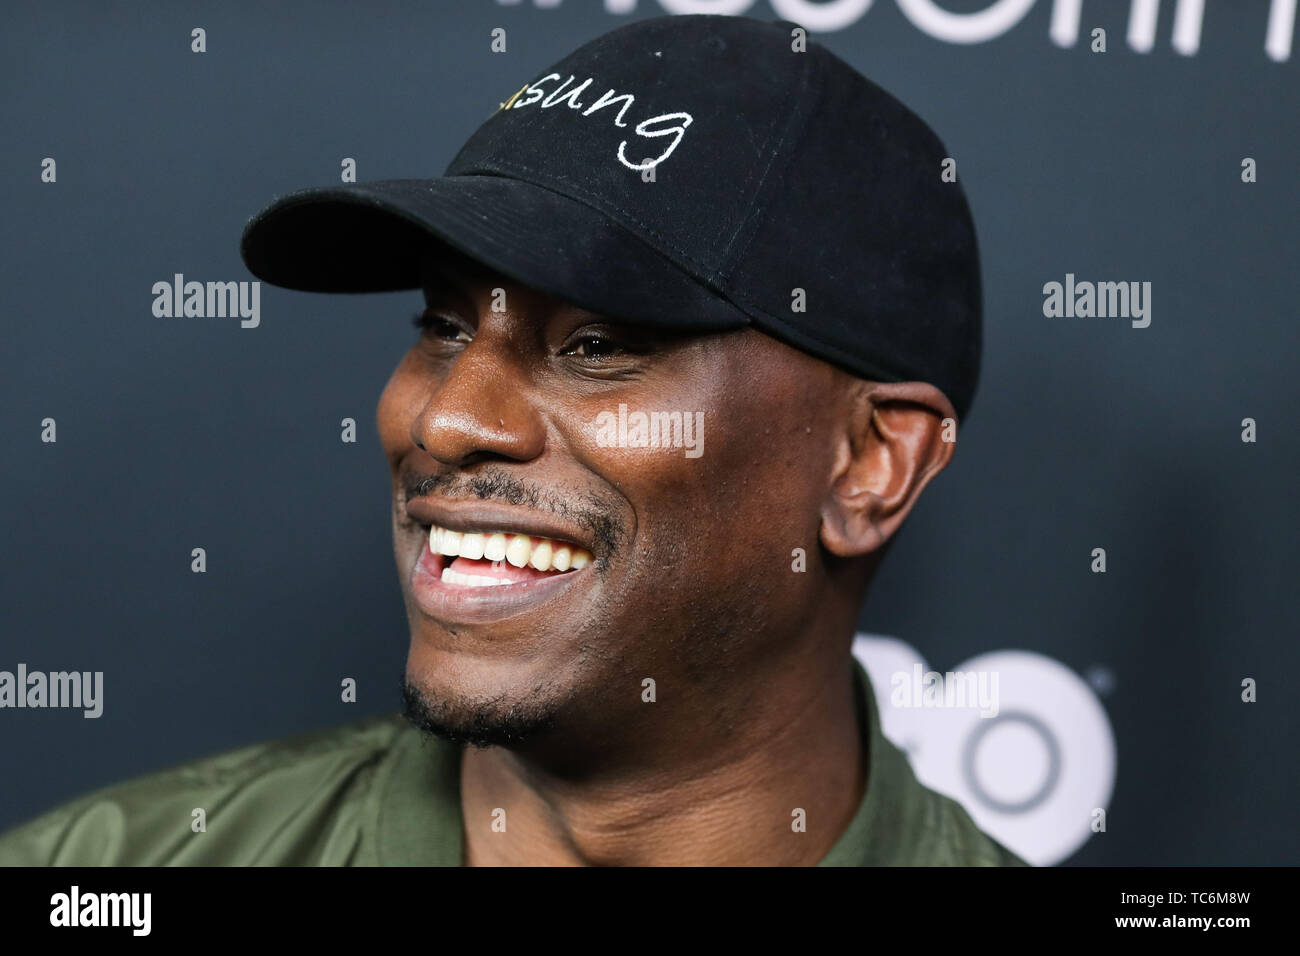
492,423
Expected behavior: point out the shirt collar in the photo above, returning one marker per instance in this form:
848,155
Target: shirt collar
418,820
893,808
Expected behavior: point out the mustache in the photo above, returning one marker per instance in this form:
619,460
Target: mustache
587,511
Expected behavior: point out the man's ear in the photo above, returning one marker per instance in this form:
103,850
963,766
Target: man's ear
896,437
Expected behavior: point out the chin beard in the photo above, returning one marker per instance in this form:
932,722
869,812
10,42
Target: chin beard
478,723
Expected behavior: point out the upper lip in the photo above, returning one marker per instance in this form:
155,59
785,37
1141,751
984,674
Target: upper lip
477,516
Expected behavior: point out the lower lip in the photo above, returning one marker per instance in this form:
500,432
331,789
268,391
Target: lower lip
458,604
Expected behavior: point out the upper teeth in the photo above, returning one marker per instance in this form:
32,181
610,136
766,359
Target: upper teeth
544,554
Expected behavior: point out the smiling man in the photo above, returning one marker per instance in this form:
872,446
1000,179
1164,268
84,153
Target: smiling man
622,652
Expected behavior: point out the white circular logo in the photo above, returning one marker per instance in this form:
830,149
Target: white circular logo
1015,737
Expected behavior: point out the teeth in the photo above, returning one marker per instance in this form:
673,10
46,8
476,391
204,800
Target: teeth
520,550
494,548
450,543
471,546
541,556
471,580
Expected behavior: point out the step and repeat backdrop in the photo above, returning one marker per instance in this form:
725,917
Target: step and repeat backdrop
1114,542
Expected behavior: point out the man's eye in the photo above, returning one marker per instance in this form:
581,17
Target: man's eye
439,327
594,347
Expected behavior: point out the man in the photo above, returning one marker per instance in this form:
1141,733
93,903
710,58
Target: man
701,315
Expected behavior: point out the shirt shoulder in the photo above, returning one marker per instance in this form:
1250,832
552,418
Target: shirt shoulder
957,840
298,800
905,823
901,821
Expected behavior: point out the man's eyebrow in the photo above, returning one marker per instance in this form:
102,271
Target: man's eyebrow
441,277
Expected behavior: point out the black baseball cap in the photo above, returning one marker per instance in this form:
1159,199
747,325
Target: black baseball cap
697,172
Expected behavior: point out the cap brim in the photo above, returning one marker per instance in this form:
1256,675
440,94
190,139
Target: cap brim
370,237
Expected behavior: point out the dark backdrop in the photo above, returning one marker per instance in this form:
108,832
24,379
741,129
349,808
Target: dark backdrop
183,433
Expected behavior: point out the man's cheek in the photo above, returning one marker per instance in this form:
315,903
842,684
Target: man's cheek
386,417
398,406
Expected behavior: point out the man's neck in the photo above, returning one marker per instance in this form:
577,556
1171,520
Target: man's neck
778,792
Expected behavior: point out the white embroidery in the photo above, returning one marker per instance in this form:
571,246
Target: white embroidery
605,100
534,93
642,129
571,95
650,128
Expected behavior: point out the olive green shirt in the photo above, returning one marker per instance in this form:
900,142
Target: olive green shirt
379,792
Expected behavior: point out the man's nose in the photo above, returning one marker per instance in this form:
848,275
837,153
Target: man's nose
483,409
